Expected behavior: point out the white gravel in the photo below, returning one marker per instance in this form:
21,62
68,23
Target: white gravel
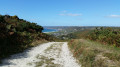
59,52
68,57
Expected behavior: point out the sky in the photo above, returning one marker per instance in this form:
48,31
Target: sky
64,12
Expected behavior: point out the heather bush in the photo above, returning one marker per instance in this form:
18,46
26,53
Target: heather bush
106,35
18,34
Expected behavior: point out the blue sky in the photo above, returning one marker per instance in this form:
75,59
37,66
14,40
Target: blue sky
65,12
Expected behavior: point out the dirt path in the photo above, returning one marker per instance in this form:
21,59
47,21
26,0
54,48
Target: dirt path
52,54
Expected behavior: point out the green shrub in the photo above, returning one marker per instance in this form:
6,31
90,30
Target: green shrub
106,35
18,34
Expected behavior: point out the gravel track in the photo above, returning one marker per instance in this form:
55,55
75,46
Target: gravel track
52,54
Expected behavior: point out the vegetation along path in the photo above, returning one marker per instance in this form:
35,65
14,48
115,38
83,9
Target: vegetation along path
52,54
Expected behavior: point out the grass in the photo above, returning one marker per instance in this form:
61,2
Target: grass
36,42
44,62
94,54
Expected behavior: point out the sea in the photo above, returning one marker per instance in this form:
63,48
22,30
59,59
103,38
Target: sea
49,30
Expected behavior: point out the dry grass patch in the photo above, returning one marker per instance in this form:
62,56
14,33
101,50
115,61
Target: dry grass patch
93,54
36,42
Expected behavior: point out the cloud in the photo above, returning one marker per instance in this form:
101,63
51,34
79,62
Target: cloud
64,11
70,14
113,16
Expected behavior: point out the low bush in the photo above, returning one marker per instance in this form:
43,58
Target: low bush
106,35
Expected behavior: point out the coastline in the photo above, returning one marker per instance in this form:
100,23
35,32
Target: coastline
49,30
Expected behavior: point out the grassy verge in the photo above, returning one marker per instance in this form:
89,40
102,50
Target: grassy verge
36,42
93,54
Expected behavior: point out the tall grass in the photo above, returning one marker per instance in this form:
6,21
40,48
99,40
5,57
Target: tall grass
93,54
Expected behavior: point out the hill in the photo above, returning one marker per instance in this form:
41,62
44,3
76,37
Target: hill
18,34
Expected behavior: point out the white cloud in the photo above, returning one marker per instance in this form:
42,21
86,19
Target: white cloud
114,16
64,11
70,14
